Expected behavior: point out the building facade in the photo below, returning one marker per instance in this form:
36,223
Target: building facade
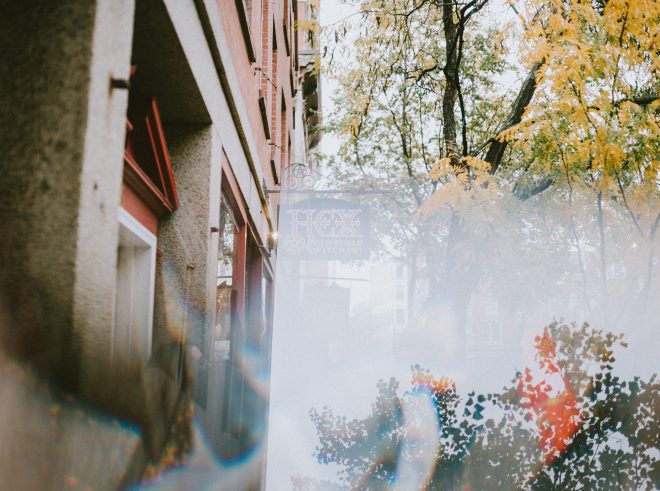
141,139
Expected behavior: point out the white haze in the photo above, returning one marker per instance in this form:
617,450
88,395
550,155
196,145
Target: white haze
524,272
529,275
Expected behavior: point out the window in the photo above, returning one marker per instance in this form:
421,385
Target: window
493,332
244,10
134,297
147,166
217,395
400,316
286,20
470,334
149,192
225,281
490,306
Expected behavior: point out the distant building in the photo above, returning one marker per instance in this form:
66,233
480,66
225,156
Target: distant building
139,140
379,320
309,109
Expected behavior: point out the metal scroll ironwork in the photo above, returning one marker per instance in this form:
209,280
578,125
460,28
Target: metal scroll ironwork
299,177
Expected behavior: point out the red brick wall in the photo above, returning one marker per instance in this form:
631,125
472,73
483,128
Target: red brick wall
271,75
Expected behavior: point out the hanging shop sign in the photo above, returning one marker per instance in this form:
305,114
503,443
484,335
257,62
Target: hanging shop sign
322,228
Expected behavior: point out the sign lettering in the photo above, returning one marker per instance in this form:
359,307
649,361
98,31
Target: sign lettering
324,229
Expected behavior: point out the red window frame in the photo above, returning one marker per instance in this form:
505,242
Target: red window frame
251,322
146,146
233,197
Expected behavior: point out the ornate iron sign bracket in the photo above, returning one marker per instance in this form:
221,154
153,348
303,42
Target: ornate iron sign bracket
300,179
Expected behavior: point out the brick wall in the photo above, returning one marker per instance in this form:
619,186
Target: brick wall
269,76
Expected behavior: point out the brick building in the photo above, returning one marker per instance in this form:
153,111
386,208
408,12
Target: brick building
139,140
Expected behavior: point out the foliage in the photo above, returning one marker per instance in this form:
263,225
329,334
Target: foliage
570,423
363,447
594,120
566,166
410,71
389,109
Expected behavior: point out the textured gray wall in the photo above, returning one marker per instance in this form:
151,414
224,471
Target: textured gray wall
61,130
45,71
185,283
51,444
185,296
100,191
62,134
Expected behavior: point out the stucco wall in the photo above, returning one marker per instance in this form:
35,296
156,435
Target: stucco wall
61,129
188,268
100,191
48,74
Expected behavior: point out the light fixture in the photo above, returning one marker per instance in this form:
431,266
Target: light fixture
272,240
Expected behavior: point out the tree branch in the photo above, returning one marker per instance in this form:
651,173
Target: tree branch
524,194
625,203
497,147
640,101
459,90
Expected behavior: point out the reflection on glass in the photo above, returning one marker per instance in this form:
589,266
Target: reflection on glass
226,246
495,400
566,423
217,385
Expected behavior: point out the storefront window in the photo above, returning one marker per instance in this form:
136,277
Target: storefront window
225,280
217,387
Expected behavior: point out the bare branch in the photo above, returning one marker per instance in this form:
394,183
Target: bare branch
625,202
497,147
640,101
524,194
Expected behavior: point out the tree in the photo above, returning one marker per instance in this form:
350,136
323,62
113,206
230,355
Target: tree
421,111
413,69
571,423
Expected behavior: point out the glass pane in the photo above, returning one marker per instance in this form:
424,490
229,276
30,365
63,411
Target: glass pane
226,246
218,386
226,249
460,353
